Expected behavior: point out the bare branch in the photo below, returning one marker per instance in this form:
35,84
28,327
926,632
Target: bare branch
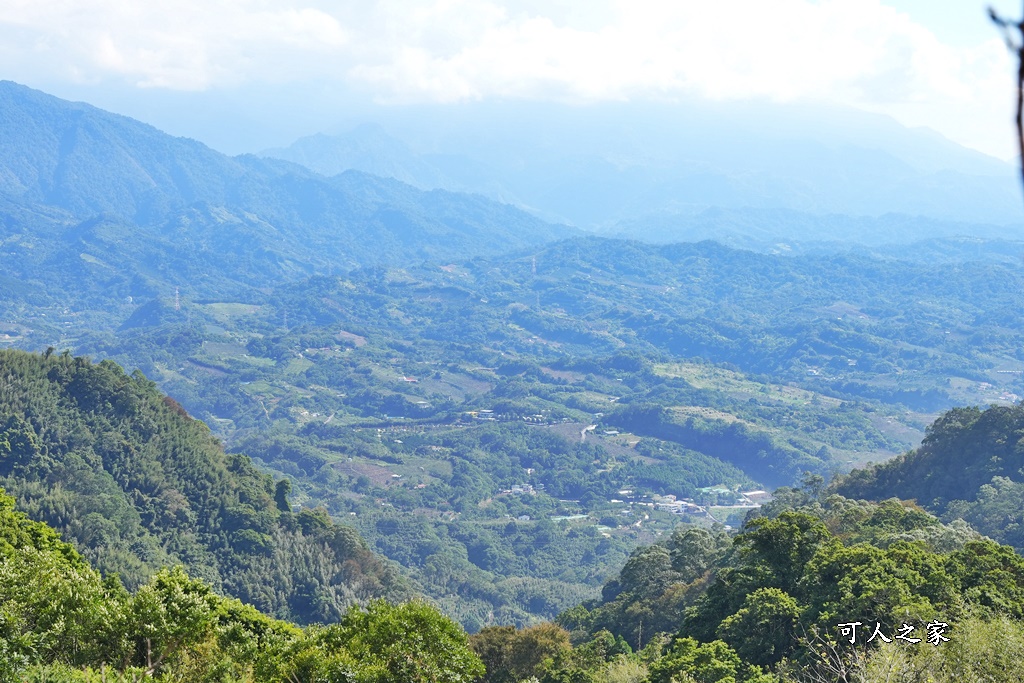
1017,47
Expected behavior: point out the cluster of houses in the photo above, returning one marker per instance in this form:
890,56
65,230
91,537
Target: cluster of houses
523,489
488,415
686,506
669,503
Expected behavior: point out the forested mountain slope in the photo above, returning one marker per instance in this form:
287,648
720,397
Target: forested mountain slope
137,485
815,588
115,192
63,621
969,466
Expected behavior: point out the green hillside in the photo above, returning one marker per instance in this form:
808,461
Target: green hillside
62,621
969,466
122,472
775,604
813,589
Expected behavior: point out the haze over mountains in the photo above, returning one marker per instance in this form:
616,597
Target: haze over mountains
618,167
82,163
773,179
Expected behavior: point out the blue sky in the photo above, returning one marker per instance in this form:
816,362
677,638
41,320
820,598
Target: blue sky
247,74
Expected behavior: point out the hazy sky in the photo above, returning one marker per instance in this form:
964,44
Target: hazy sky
283,68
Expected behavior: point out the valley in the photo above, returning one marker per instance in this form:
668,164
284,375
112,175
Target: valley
417,403
317,393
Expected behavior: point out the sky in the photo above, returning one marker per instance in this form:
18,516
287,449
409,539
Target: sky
243,75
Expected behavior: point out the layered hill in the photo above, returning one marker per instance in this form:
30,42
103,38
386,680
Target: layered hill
78,183
848,324
817,589
123,473
435,401
65,621
638,163
500,424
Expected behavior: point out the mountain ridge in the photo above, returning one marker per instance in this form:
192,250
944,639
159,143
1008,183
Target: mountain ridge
598,165
86,162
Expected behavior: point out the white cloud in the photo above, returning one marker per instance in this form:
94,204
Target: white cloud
182,45
858,52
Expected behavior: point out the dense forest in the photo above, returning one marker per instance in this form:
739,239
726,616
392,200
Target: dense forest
816,587
162,535
968,467
123,473
782,601
61,620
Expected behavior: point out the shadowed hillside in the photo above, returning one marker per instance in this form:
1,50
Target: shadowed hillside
123,473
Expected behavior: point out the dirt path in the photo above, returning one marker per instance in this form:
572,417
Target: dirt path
583,432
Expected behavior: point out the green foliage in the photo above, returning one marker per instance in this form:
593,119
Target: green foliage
383,643
136,485
765,458
778,549
751,611
512,655
967,468
171,613
53,607
764,626
59,620
713,662
979,649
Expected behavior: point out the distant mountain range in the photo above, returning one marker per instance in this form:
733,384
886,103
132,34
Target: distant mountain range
89,196
80,183
600,165
99,213
786,231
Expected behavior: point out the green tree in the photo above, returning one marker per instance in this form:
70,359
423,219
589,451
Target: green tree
694,550
383,643
762,631
169,614
713,662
